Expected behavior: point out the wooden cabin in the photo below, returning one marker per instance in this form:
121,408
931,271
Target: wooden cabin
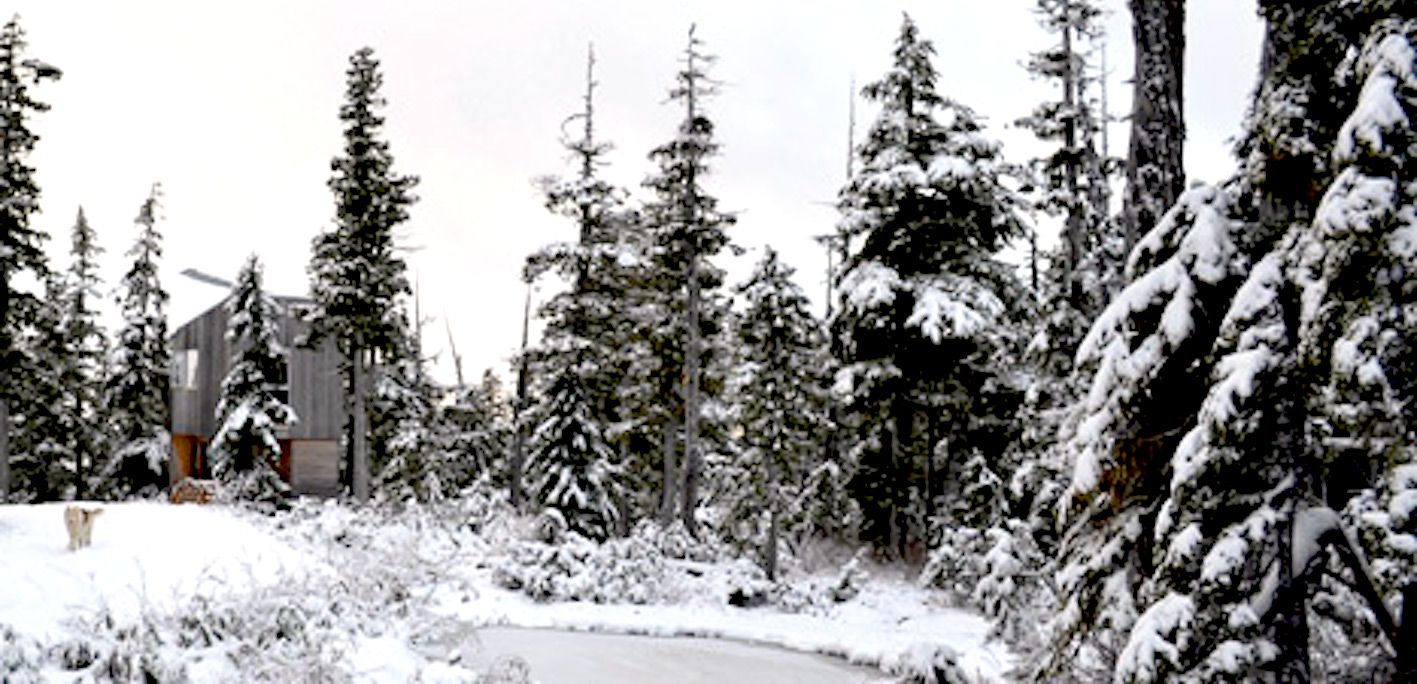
201,358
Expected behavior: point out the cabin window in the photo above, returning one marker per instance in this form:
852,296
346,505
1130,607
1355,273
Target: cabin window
184,369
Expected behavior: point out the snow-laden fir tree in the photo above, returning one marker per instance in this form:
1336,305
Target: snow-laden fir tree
573,466
245,452
20,249
137,390
479,426
782,408
1073,179
1215,431
926,310
411,458
40,466
86,346
356,273
688,230
1311,395
63,423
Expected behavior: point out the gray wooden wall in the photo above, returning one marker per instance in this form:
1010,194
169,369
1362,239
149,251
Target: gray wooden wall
316,392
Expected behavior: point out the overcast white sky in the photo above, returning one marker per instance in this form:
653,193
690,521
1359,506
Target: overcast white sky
233,106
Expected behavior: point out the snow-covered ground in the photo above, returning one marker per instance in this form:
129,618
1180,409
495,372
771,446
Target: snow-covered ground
371,595
144,557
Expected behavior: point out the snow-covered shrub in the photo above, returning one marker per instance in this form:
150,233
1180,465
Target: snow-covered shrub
928,664
561,565
956,565
1011,591
20,657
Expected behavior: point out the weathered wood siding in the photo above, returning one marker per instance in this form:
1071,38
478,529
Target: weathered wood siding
316,392
314,467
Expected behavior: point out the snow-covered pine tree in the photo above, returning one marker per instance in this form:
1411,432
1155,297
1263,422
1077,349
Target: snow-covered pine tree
479,426
1073,180
1155,175
355,272
20,248
137,390
1312,398
245,452
411,455
39,467
572,466
688,230
925,307
782,405
84,415
1238,320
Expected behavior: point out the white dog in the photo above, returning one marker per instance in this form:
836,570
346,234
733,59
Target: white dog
80,524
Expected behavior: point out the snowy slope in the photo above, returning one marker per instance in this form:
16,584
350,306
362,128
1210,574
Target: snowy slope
145,556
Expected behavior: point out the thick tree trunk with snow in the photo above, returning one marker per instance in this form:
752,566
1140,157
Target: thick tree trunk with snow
1155,176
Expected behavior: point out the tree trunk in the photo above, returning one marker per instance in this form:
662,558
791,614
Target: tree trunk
895,539
1074,227
1155,175
1407,636
669,492
79,470
770,553
4,442
359,476
693,461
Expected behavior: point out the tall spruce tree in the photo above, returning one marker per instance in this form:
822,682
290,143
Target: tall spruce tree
83,379
137,391
245,452
20,249
573,467
356,273
1073,179
40,464
925,306
688,230
782,408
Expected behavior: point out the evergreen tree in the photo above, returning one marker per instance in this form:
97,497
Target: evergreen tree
40,467
1074,178
411,456
20,250
137,391
245,453
479,423
1227,376
572,460
356,274
1315,359
687,231
782,405
86,347
925,308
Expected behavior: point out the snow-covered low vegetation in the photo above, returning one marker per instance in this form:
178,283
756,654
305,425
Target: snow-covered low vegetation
330,592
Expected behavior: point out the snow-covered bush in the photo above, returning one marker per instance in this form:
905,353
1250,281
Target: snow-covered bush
956,565
928,664
562,565
20,657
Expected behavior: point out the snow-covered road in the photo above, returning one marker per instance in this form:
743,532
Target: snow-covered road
580,658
